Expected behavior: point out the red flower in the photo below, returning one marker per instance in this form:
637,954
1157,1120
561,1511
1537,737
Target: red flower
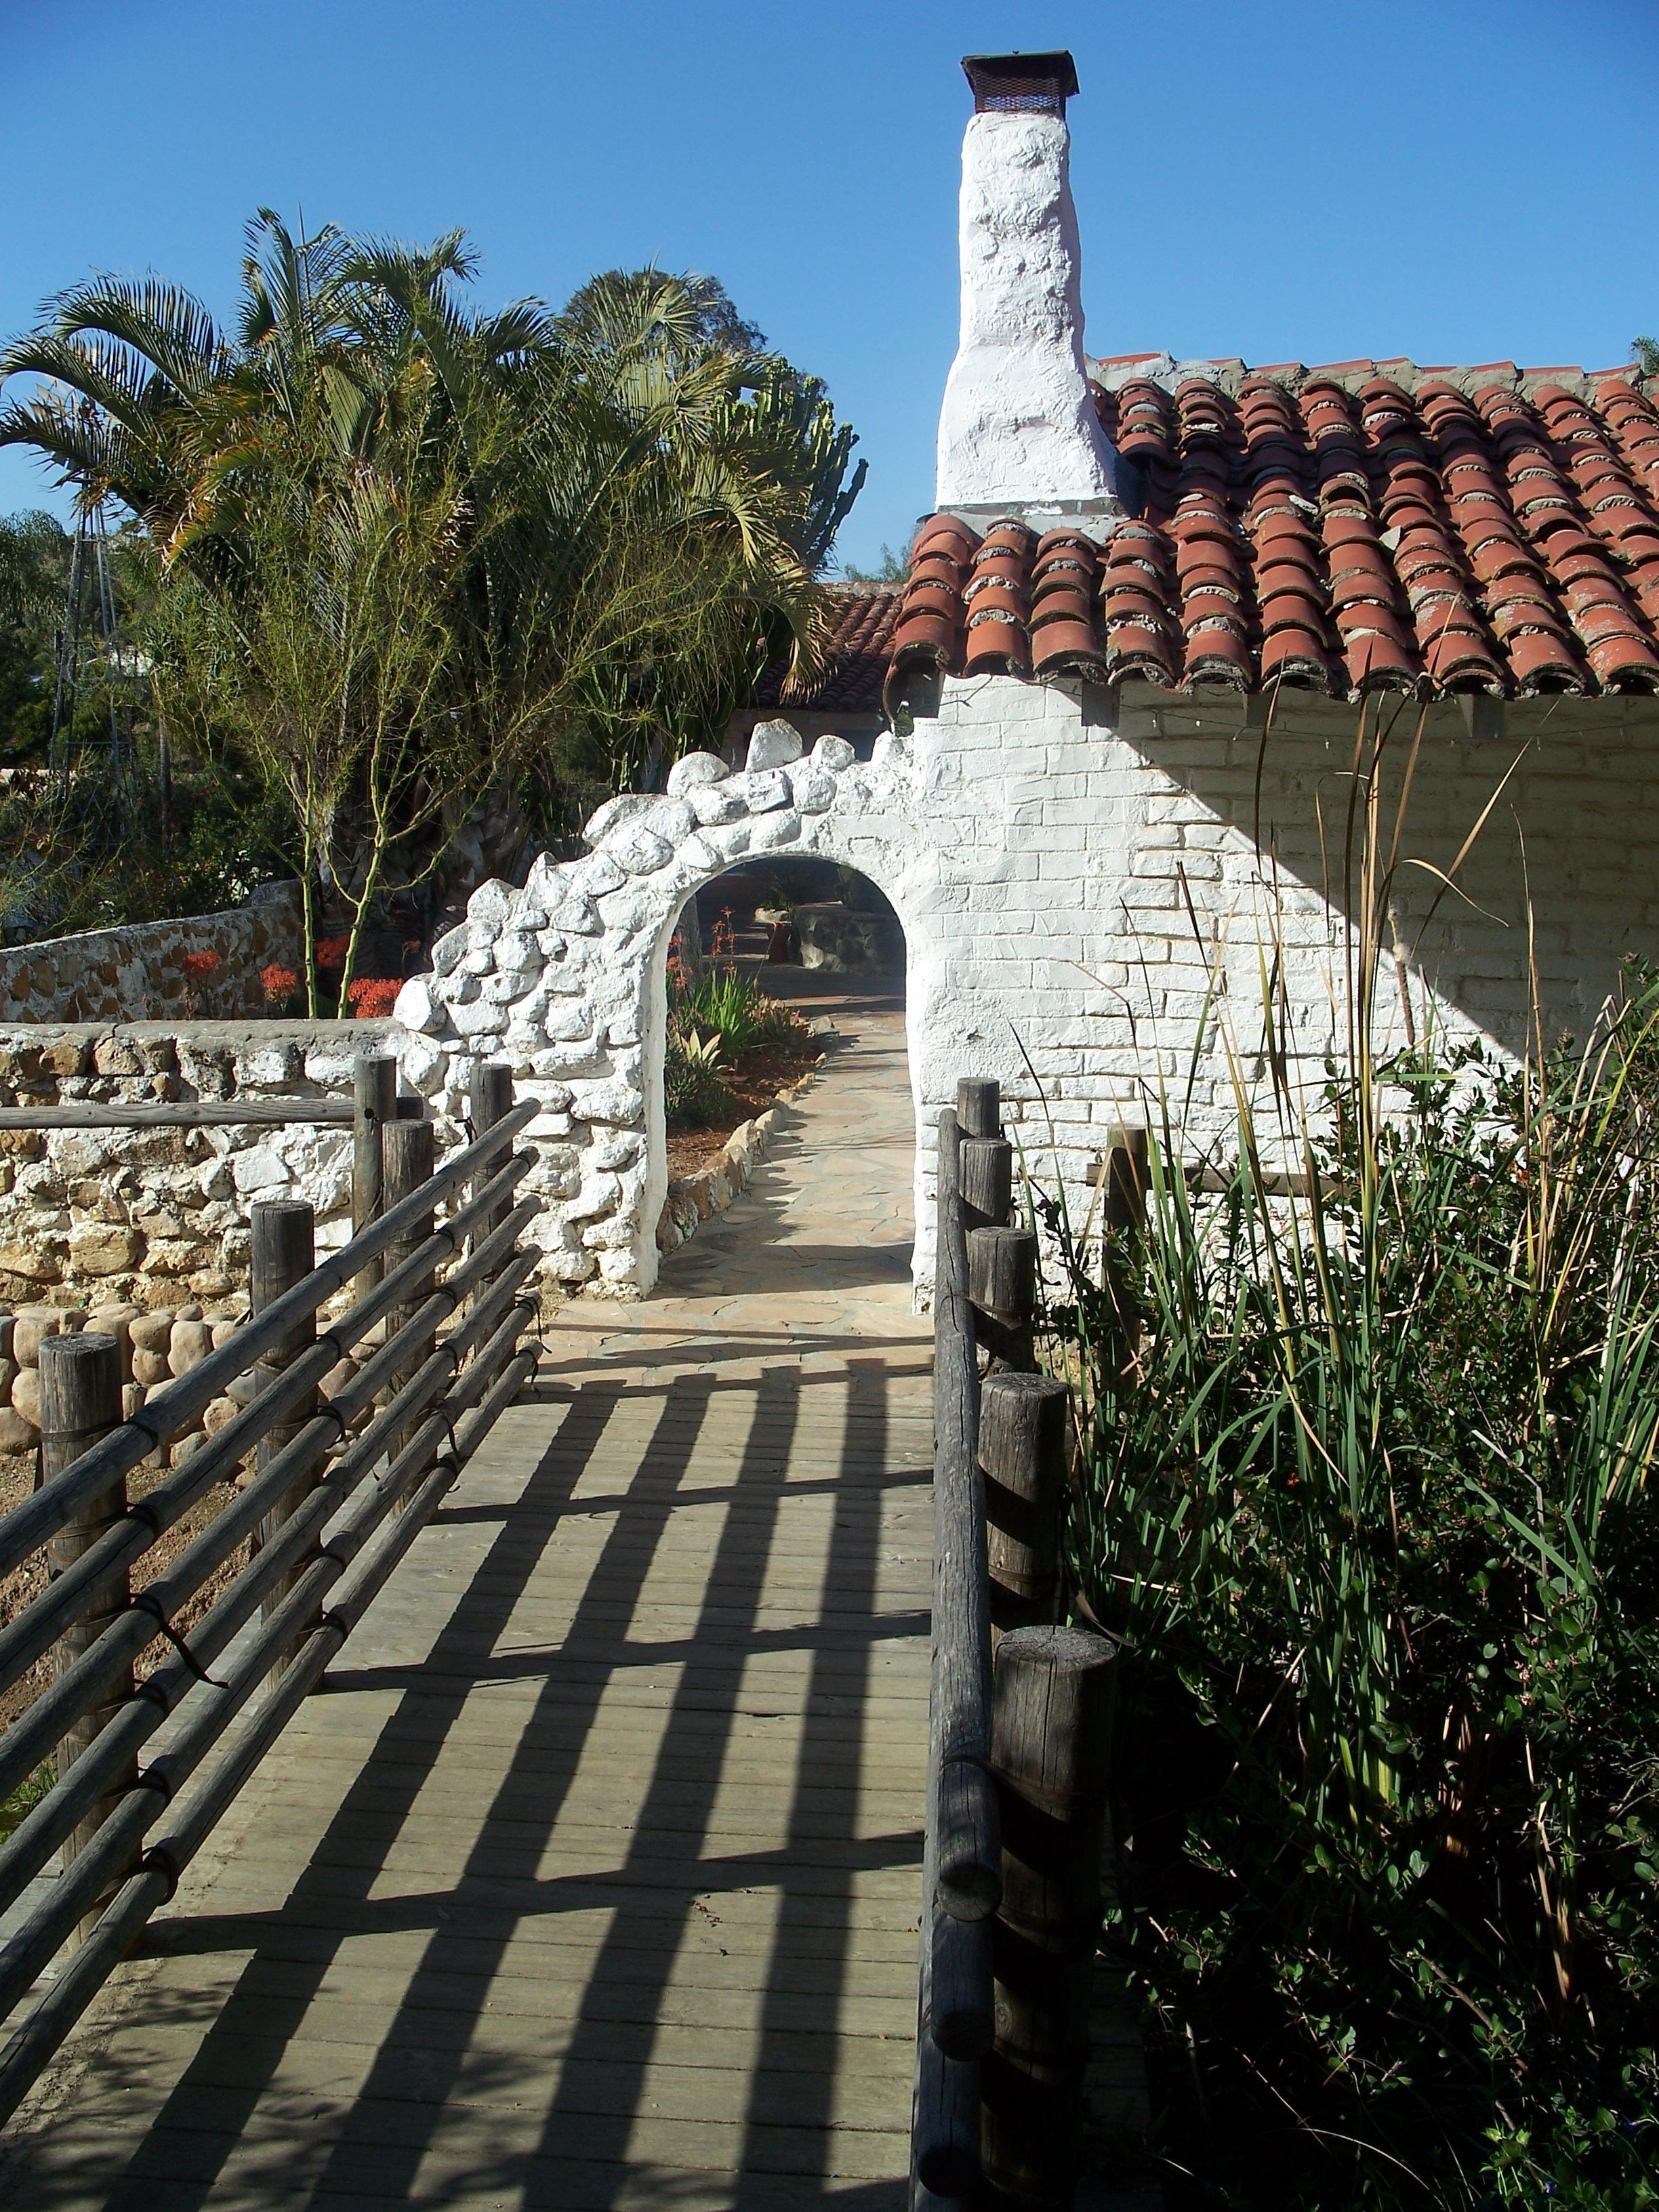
200,965
279,982
331,951
373,995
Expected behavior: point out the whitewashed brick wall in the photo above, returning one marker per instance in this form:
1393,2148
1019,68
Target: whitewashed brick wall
1085,886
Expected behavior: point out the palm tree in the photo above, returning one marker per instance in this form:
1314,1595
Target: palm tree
610,519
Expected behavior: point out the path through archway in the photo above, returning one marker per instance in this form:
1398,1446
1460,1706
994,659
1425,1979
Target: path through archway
564,979
775,970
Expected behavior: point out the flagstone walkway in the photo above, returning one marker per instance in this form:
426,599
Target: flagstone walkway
592,1879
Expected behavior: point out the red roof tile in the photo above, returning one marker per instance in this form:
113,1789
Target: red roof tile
855,653
1340,529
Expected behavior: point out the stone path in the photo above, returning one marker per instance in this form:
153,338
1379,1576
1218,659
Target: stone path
593,1882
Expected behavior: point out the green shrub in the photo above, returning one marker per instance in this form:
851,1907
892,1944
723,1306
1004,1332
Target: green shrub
695,1092
1364,1489
734,1008
24,1799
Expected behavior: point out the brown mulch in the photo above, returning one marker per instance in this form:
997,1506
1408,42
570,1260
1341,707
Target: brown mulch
16,1588
753,1082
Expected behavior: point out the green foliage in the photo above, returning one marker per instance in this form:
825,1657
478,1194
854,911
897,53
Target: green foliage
1365,1490
23,1799
1645,353
733,1008
403,550
694,1093
63,869
712,1024
891,569
34,561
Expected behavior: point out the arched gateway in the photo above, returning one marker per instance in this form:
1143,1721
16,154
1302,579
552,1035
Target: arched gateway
565,979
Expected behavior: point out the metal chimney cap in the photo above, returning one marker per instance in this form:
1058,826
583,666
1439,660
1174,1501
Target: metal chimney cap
1039,84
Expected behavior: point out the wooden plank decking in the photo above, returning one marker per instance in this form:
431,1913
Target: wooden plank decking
592,1881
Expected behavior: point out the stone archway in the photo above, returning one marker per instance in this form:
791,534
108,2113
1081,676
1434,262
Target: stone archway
565,979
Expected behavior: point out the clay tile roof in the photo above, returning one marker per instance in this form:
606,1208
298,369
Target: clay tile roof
855,655
1349,528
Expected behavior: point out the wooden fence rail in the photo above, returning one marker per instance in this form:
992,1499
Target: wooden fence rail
180,1114
1018,1719
321,1538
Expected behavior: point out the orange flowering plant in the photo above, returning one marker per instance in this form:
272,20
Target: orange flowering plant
279,984
371,997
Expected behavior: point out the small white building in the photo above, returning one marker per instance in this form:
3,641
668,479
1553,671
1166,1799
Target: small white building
1167,621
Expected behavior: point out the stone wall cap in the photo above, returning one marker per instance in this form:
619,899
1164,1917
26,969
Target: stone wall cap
204,1036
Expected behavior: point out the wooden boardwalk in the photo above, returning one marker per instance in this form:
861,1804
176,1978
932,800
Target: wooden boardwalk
592,1879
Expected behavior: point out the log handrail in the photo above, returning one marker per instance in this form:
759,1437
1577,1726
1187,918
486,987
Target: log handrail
173,1409
347,1482
180,1114
962,1872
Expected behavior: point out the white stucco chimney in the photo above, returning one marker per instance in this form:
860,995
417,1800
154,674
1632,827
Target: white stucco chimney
1017,434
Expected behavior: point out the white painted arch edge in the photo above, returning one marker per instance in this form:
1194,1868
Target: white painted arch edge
565,979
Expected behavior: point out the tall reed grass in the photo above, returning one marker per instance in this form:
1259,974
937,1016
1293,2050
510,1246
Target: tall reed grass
1363,1487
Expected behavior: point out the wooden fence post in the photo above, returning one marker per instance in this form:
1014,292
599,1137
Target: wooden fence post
410,1157
1052,1697
492,1097
79,1403
1002,1290
979,1106
1022,1455
284,1252
987,1183
374,1102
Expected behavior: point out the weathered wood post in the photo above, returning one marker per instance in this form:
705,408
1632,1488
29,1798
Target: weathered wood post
284,1252
1023,1457
1001,1261
1002,1288
79,1403
960,1853
492,1097
1052,1697
986,1166
411,1156
987,1183
374,1104
979,1106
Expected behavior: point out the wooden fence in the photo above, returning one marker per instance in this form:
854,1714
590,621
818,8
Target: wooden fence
339,1484
1020,1725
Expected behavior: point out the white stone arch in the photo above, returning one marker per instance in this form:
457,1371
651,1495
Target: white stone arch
564,979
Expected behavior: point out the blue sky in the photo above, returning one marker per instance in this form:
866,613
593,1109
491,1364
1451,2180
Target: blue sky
1464,180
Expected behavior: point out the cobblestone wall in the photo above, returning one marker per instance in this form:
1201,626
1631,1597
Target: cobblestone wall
159,1217
139,973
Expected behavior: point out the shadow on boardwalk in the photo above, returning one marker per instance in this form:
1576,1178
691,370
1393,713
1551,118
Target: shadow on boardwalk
592,1881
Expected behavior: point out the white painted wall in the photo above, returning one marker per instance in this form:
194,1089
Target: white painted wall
1041,858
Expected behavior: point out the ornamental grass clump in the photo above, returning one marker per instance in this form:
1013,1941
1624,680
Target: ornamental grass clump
714,1023
1364,1486
734,1008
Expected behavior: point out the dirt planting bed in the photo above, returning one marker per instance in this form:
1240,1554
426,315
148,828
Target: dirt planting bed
753,1082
